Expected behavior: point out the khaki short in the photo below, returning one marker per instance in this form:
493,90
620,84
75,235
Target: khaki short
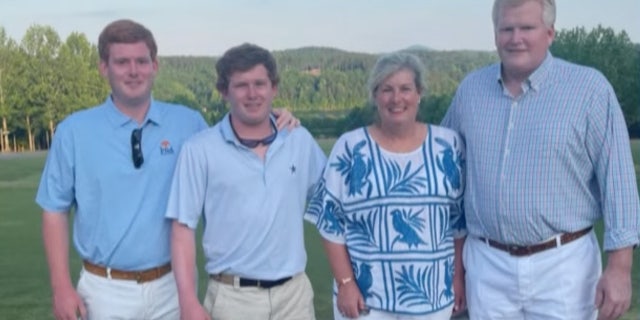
292,300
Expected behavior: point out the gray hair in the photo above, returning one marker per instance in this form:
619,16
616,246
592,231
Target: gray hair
548,10
391,63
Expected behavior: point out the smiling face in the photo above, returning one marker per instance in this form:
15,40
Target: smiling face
522,39
130,71
397,98
250,94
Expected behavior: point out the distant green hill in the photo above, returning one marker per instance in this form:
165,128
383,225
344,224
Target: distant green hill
313,79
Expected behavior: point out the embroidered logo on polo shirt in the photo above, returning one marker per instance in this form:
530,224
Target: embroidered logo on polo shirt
165,147
293,169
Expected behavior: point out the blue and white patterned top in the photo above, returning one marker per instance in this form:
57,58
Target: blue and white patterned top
397,213
555,159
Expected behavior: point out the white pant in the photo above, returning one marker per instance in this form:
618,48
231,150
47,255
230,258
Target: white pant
444,314
125,299
553,284
292,300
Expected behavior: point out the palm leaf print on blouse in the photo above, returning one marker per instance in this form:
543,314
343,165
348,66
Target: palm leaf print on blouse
403,181
450,164
414,287
362,230
444,225
408,226
355,168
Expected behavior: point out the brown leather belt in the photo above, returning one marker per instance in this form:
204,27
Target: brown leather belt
139,276
245,282
521,251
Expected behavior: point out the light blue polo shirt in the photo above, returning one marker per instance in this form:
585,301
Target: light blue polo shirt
119,210
253,209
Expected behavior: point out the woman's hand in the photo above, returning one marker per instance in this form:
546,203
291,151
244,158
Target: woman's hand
350,301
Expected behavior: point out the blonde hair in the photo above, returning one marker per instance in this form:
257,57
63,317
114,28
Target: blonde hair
391,63
548,9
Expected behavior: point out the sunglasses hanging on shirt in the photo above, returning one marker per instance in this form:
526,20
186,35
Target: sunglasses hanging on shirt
136,148
253,143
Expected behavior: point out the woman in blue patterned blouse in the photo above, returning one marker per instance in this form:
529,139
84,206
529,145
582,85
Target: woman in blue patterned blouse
389,206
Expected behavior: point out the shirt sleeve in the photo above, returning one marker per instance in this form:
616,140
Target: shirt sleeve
201,124
188,186
325,207
458,221
607,143
318,160
56,192
451,119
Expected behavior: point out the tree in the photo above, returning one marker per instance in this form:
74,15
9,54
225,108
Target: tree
4,109
613,54
9,62
81,84
41,44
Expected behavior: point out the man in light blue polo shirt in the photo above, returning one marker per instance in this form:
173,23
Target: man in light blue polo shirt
252,182
113,164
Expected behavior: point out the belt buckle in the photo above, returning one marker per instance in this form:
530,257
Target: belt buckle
259,284
236,282
514,250
138,277
520,251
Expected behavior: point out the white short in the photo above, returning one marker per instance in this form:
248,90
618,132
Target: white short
444,314
557,283
125,299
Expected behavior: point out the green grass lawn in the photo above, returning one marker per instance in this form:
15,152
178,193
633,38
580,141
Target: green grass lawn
24,283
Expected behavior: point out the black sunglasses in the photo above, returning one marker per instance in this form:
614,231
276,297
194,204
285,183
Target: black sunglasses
136,148
253,143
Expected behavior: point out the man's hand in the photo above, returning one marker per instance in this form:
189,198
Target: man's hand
194,312
460,301
67,305
613,292
285,119
459,290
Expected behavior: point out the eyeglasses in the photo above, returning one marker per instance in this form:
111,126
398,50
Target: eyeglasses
136,148
253,143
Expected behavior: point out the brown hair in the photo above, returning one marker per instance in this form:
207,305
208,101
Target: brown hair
243,58
125,31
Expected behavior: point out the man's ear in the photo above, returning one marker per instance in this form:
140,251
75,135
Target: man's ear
156,65
103,67
551,33
224,94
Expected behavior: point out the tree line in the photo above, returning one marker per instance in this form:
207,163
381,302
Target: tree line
43,78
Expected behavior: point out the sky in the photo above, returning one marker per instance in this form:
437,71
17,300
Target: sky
209,27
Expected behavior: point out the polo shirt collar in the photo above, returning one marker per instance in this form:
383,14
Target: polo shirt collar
227,131
119,119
